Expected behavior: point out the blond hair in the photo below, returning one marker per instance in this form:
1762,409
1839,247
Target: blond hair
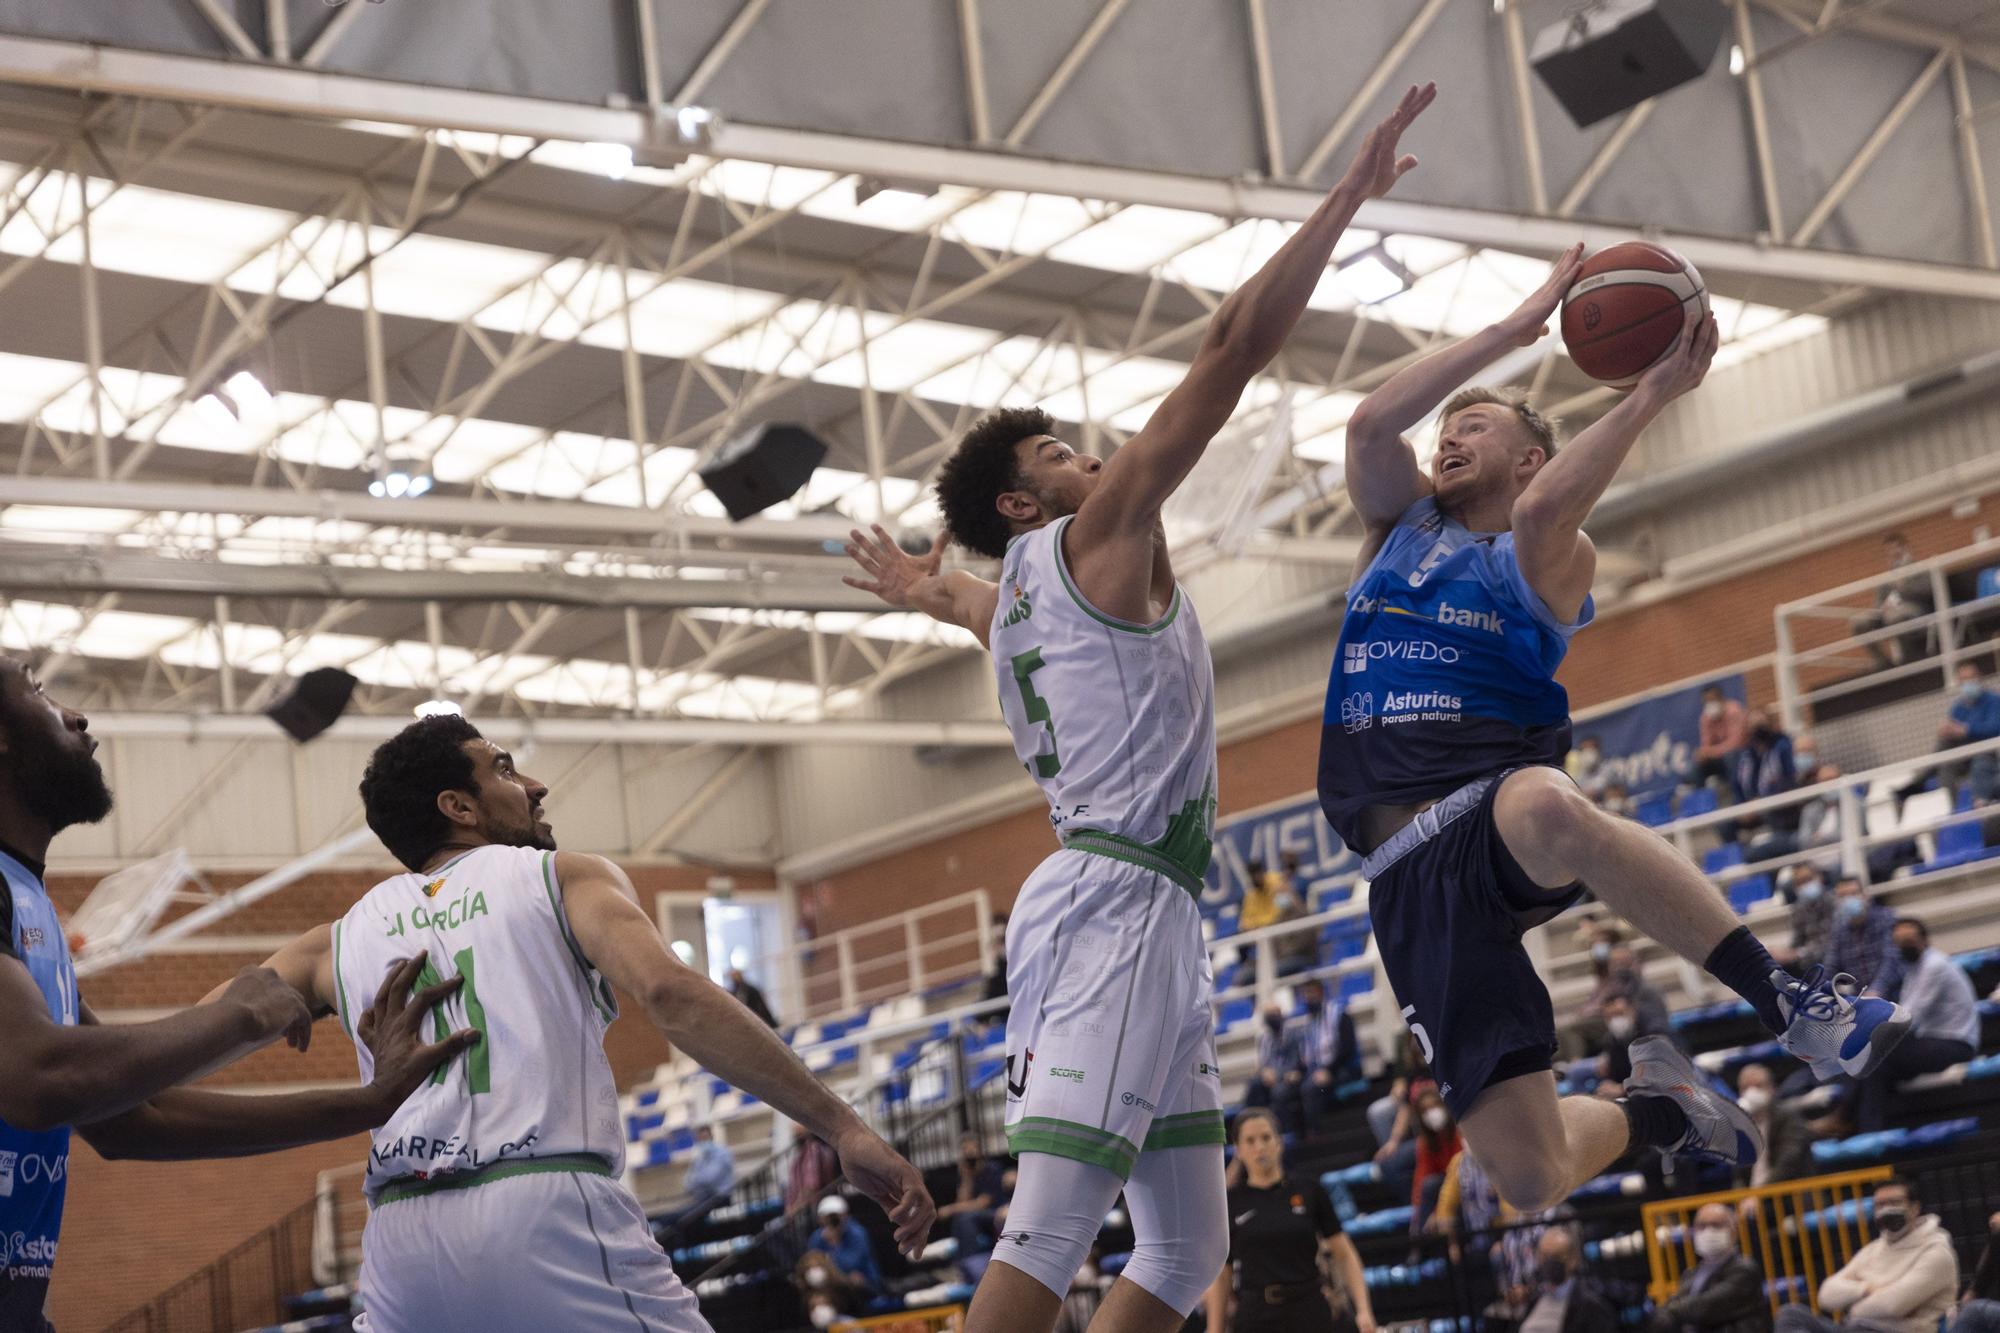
1545,432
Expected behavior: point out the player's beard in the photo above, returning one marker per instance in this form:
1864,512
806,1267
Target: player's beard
526,834
59,781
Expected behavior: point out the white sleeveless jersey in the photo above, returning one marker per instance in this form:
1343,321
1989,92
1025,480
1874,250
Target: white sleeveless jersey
1115,721
538,1084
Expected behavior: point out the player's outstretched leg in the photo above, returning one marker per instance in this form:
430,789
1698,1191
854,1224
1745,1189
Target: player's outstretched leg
1558,837
1058,1208
1538,1148
1180,1230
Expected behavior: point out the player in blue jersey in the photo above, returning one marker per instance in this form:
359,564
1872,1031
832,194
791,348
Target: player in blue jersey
1440,761
59,1067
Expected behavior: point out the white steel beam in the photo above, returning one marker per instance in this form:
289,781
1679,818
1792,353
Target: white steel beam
588,731
299,91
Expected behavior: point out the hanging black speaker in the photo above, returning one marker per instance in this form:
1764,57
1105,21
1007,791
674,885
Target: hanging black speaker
761,467
1615,54
314,703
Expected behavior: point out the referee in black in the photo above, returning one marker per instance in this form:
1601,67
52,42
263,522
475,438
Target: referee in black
1284,1237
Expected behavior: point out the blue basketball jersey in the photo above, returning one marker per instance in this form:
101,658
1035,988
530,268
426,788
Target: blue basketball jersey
1445,671
34,1165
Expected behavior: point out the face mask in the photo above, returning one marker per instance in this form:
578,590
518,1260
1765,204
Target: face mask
1897,559
1711,709
1968,689
815,1277
1553,1272
1851,908
1436,1118
1713,1242
1586,760
1616,805
1619,1027
1810,892
823,1316
1910,953
1600,952
1754,1100
1891,1221
1313,1006
1805,762
1274,1021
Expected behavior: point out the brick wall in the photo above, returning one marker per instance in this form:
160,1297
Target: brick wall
133,1229
1709,628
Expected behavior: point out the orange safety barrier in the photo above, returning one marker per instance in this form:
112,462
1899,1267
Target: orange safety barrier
938,1319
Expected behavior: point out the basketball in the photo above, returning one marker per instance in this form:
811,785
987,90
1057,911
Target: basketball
1627,308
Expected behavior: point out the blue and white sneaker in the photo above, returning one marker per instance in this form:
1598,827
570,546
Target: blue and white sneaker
1718,1130
1833,1028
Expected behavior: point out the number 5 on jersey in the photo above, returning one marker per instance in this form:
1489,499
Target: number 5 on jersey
1026,664
478,1060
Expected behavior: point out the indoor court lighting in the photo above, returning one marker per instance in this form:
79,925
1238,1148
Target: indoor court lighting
1374,276
1736,60
867,187
218,410
695,125
399,486
612,160
249,393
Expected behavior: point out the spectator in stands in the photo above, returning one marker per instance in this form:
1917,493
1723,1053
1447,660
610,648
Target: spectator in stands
1260,900
1585,765
1805,756
1812,913
1586,1034
1281,1071
843,1240
1861,945
1724,729
1724,1292
1469,1210
1979,1303
814,1165
710,1177
1788,1143
1393,1118
1437,1144
1621,1029
1298,950
1944,1020
1328,1047
1764,768
982,1194
996,976
1570,1301
1900,1282
1974,716
1629,979
753,999
1615,800
1819,822
826,1292
1896,601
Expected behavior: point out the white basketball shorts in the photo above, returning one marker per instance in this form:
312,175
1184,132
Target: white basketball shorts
540,1251
1110,1034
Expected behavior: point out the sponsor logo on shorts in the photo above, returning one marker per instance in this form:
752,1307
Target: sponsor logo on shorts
1489,621
1019,1089
1060,1071
1134,1099
1356,657
1205,1069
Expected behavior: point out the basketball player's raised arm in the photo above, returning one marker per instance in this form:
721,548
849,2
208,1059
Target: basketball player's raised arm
1556,558
726,1039
920,582
54,1074
1382,477
1246,332
185,1123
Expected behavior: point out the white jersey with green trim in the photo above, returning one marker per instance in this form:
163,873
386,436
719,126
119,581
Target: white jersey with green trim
1114,720
538,1083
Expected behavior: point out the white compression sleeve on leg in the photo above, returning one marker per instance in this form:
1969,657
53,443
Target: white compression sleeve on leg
1058,1208
1180,1222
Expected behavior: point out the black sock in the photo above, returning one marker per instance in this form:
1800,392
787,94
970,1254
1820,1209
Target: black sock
1742,963
1654,1121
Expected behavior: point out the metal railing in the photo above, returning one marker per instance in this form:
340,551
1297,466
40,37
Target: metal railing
1824,652
1799,1231
905,954
245,1288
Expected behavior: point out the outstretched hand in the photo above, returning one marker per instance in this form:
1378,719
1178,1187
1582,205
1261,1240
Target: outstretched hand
1377,167
391,1029
1681,369
893,573
1530,320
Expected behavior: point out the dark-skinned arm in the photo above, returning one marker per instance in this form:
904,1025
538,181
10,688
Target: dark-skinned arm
184,1123
54,1074
1110,544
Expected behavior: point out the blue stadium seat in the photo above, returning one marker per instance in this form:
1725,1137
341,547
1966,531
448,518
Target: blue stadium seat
1747,892
1989,582
1356,984
1957,844
1655,811
1231,1012
1718,859
1700,801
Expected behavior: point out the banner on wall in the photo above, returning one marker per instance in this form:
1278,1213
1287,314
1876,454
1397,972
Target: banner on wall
1265,835
1648,745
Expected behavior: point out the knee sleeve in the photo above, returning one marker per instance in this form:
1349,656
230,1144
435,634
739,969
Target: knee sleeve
1180,1220
1058,1208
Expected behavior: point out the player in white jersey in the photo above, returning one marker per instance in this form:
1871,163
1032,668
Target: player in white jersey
1107,689
494,1192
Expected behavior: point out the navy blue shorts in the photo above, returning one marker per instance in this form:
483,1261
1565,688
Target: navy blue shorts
1448,917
